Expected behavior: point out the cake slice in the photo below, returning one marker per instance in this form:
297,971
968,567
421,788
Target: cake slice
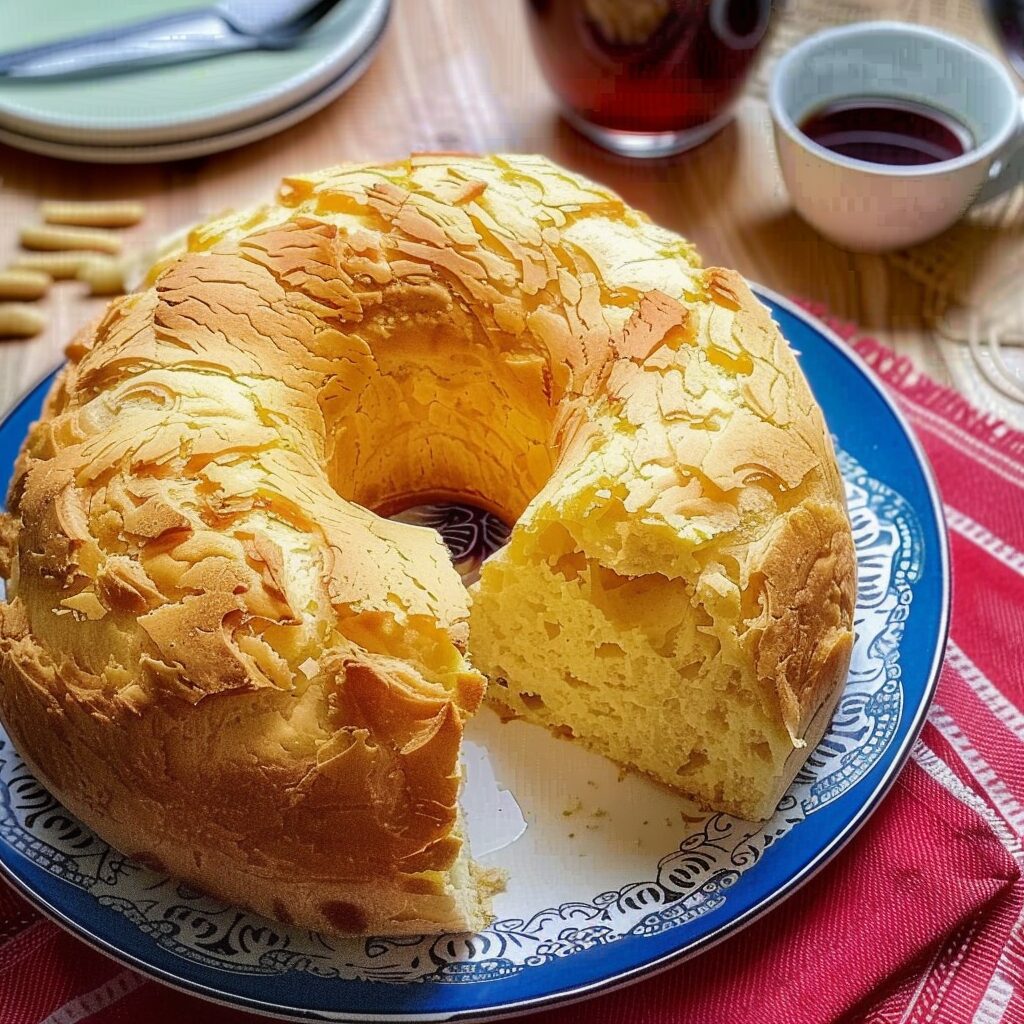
680,598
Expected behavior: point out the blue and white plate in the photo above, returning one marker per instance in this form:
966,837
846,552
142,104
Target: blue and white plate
610,878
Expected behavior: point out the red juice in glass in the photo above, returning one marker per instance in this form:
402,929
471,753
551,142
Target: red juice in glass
648,77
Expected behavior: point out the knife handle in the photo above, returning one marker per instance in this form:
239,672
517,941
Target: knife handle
165,40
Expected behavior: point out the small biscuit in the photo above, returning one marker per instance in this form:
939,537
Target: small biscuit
50,238
20,321
24,284
103,275
58,265
117,214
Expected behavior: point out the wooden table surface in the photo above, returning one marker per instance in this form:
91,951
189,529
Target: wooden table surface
459,74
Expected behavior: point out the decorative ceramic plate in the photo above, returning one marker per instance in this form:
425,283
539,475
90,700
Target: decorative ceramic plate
611,878
176,102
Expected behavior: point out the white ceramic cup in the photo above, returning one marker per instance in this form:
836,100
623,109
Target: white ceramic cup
872,207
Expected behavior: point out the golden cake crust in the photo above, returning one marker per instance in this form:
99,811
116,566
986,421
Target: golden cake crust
218,658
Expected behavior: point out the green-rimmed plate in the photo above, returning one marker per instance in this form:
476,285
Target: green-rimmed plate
175,103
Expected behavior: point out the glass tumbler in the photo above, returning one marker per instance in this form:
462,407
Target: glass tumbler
648,78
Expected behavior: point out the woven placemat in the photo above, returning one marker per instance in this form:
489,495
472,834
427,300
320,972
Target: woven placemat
977,318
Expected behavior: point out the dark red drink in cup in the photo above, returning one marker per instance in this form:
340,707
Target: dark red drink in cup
648,77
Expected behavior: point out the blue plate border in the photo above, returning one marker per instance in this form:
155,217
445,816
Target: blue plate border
616,979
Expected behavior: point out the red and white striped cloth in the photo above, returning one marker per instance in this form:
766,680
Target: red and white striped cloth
920,920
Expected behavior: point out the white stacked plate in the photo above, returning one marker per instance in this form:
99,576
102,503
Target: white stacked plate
181,110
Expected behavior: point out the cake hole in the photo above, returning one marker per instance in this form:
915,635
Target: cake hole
531,701
763,750
553,629
609,580
553,541
576,683
666,647
570,567
751,602
610,651
690,671
471,533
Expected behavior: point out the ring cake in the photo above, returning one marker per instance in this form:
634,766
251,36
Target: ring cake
217,653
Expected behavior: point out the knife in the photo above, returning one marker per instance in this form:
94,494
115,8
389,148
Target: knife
227,27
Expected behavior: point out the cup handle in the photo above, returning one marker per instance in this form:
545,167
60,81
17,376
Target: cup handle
1007,170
